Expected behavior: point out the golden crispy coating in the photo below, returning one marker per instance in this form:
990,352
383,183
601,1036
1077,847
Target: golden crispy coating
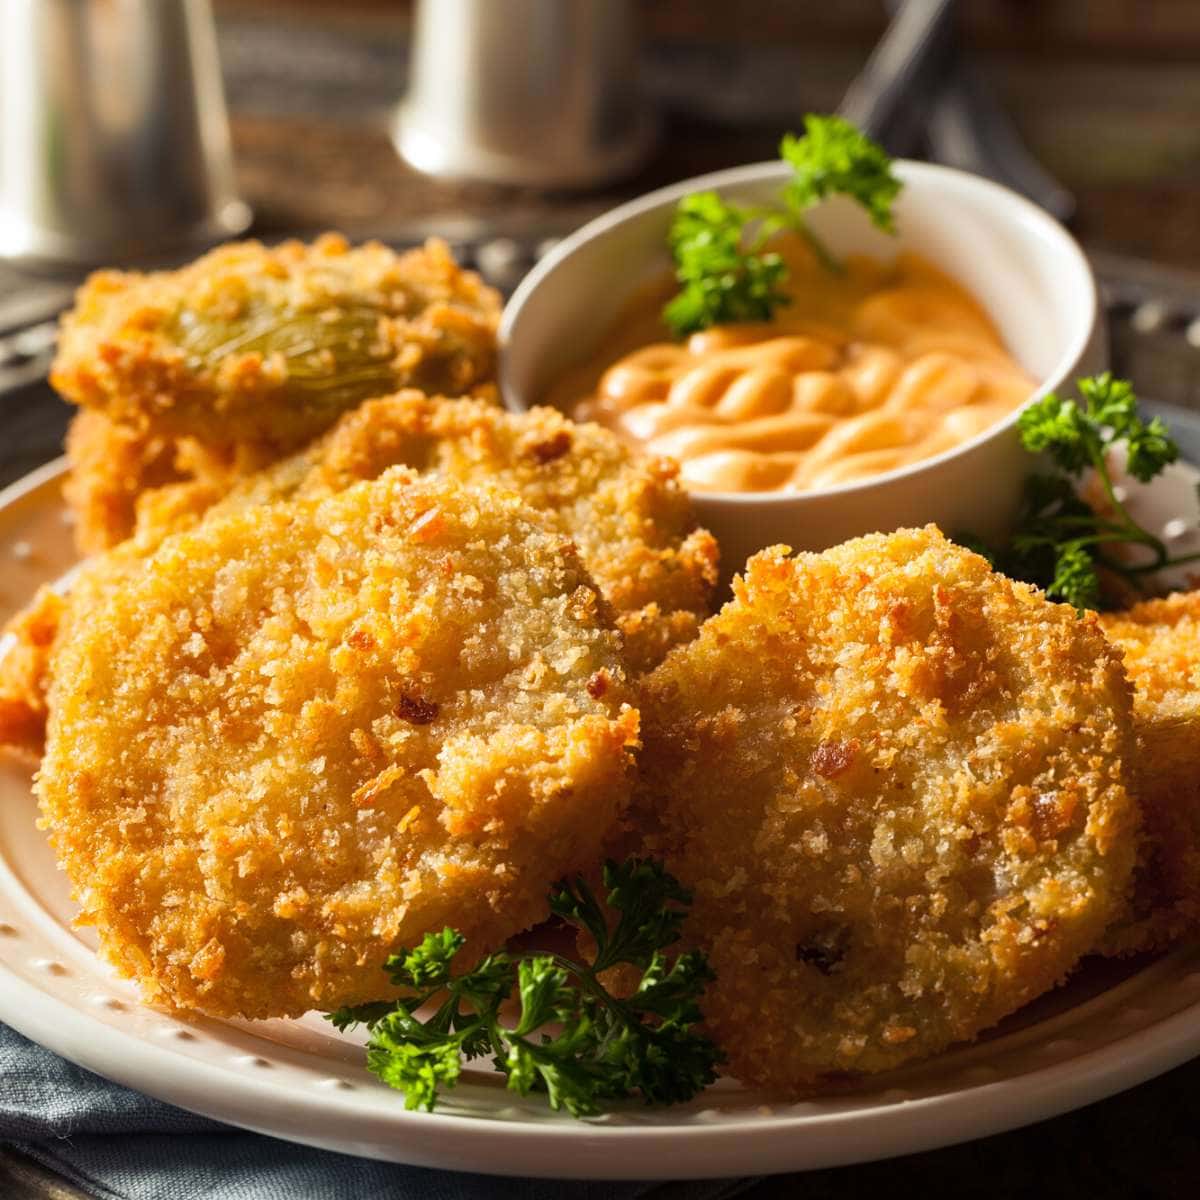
1160,640
115,473
111,465
893,780
269,345
630,518
26,643
114,466
304,734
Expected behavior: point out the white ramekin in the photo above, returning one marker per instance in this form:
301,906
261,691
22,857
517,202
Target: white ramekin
1019,263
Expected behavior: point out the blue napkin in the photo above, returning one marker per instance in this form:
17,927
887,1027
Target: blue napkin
117,1144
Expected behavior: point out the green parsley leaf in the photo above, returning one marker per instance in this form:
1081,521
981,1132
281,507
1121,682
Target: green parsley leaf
429,964
1059,429
835,157
572,1039
723,279
544,990
1076,581
417,1064
722,262
1076,436
652,905
1061,542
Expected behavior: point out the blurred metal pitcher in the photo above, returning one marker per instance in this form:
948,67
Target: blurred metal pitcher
537,92
114,140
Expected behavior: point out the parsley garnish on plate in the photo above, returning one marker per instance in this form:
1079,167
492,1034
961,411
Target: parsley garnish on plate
720,249
1061,542
571,1038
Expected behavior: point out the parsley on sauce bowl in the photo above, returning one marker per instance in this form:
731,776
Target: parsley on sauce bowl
879,393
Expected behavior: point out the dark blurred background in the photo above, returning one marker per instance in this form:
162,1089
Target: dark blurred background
1105,92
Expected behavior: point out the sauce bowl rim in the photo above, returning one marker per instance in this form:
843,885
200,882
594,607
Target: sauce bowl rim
1025,213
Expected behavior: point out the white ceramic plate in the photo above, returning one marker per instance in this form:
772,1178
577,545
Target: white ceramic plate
1113,1026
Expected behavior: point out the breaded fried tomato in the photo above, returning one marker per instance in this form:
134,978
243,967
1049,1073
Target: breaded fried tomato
26,644
628,514
215,369
1160,642
893,780
300,736
115,468
271,343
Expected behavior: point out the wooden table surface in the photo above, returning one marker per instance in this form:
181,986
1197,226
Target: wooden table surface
1108,95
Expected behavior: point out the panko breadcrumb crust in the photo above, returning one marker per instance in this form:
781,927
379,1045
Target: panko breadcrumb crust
304,734
111,465
254,342
629,516
893,780
219,367
114,466
627,513
1160,643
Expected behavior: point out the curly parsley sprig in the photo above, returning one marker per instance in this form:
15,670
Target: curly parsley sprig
726,272
834,157
720,249
1061,542
573,1039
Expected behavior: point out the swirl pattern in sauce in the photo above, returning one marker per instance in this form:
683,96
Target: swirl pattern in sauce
861,373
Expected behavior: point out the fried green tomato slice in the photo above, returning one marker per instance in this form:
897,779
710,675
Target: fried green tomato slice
628,514
893,780
1160,642
301,736
257,344
113,466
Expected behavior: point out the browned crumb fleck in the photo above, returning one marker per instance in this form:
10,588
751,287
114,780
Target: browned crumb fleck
418,711
833,758
547,450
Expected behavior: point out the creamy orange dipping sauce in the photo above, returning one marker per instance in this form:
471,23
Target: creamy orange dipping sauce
861,373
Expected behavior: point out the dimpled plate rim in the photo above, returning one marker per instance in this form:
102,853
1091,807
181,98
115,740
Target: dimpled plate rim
300,1081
